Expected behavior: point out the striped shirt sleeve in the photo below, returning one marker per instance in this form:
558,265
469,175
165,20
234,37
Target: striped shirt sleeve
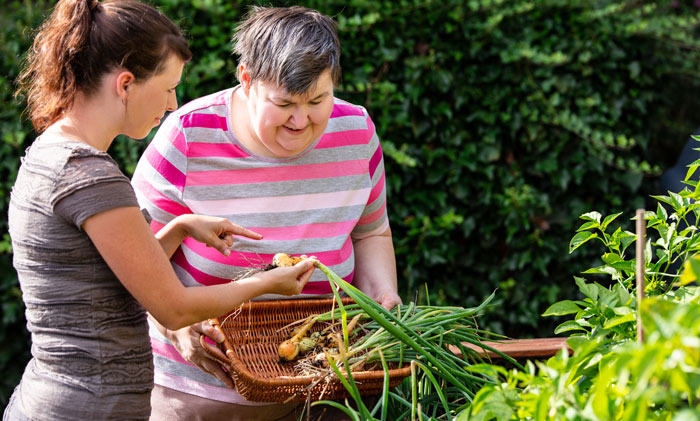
160,181
374,219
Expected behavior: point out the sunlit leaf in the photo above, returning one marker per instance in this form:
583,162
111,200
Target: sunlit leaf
568,326
561,308
591,216
616,321
581,238
608,219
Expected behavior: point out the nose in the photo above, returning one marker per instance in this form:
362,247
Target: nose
299,117
172,102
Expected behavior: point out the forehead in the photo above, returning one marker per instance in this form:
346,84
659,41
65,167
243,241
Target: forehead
171,71
323,84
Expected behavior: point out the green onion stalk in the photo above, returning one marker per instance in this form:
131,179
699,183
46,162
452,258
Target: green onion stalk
423,336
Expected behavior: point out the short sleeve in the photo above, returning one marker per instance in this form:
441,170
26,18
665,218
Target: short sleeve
374,219
90,184
161,174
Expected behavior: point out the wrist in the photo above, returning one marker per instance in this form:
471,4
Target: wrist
181,226
257,284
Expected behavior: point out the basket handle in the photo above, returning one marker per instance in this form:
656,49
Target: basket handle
228,350
208,349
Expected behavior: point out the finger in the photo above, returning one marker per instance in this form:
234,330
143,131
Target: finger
227,239
303,256
212,333
245,232
390,300
214,368
304,266
199,328
220,242
304,277
212,351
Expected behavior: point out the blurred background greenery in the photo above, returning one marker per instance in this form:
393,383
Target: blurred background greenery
501,121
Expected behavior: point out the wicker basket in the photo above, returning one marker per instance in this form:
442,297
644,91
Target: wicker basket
253,333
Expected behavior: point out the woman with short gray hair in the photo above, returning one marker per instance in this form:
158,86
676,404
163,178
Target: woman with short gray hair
280,154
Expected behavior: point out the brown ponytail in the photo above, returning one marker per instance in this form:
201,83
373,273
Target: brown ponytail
83,40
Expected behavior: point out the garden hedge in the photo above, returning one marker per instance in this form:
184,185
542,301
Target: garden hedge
502,122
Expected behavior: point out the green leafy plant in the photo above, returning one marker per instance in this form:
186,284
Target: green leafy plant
612,373
654,380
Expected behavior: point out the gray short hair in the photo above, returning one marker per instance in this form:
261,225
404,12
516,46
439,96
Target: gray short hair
288,46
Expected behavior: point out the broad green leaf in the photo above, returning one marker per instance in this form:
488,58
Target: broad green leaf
594,359
691,170
623,294
568,326
581,238
600,397
611,258
616,321
665,199
608,219
603,270
576,342
691,268
626,239
661,212
562,308
587,226
589,290
676,200
679,381
628,266
622,311
591,216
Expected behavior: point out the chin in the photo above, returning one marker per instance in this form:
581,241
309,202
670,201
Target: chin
138,135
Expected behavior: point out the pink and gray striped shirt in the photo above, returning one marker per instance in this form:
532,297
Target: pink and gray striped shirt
315,203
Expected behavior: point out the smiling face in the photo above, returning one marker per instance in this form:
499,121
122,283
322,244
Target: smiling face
148,100
282,125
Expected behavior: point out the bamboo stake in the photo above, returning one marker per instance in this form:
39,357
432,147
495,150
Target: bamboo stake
641,242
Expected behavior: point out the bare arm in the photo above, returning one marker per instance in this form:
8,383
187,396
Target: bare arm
212,231
375,269
127,244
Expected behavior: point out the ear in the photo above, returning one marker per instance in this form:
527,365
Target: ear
123,81
244,78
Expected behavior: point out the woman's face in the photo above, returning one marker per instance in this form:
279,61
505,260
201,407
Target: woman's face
148,100
284,124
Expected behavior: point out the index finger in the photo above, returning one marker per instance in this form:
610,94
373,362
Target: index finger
245,232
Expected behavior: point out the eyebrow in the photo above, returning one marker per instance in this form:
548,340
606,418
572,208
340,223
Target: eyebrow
287,99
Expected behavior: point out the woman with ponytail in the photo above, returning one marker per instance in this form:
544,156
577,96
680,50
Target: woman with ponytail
88,264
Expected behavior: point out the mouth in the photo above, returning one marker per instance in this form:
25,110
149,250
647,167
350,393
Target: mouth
295,131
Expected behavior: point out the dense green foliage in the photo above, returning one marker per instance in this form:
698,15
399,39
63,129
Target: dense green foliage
613,373
501,121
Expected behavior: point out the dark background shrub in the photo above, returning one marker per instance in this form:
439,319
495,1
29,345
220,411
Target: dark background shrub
502,122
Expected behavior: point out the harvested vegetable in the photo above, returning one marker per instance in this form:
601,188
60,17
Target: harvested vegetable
289,349
429,338
283,260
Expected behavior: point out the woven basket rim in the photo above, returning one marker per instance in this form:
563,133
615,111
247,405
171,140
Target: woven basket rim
367,380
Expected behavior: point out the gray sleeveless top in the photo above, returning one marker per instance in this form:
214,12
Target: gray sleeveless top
91,353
